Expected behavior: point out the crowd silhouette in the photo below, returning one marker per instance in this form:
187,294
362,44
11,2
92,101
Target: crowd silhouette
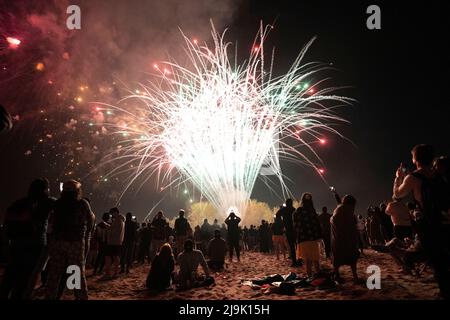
42,236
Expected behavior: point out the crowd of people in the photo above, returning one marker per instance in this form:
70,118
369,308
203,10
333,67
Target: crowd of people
42,236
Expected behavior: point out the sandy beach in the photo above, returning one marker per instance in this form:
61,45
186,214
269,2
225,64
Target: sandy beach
228,284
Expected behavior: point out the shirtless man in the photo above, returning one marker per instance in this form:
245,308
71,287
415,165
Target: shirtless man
428,224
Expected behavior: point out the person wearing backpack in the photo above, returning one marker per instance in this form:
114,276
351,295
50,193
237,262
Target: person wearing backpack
426,188
182,229
72,221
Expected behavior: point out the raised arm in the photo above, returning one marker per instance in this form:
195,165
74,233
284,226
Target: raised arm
403,186
337,197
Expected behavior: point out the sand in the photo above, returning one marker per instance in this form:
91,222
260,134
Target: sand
394,284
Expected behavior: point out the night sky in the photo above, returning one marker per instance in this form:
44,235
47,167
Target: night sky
398,75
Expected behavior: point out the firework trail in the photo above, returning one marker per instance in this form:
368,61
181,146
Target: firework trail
213,122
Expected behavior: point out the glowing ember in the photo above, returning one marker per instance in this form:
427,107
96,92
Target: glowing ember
13,42
40,66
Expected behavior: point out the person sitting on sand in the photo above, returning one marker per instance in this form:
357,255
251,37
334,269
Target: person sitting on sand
217,250
188,261
160,275
344,237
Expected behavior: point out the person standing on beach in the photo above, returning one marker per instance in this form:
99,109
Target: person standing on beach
182,230
72,220
100,235
344,237
115,236
286,213
428,191
159,232
325,226
308,233
232,222
278,237
26,223
129,240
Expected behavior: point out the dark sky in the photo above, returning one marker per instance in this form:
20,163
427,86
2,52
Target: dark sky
398,75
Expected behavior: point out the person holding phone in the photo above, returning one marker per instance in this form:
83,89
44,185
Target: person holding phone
426,188
232,222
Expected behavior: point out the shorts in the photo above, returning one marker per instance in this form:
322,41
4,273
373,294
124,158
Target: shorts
309,250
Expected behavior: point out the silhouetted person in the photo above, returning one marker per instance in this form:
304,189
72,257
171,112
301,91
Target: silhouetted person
286,214
264,237
252,236
72,220
215,226
429,195
232,222
308,233
26,223
278,237
189,260
129,240
360,226
100,235
198,237
145,239
114,238
325,226
182,230
441,166
217,250
344,237
376,236
223,231
245,239
387,228
159,231
206,235
160,275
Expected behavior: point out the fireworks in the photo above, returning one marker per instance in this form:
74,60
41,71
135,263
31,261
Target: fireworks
212,123
40,66
13,42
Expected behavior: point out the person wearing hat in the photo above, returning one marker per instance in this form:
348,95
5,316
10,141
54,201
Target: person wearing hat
72,220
